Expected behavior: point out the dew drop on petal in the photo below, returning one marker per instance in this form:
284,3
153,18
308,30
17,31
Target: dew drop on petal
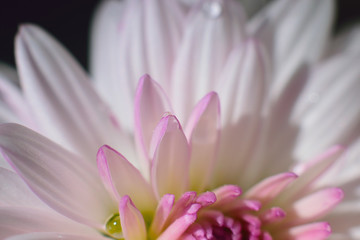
314,97
113,226
213,8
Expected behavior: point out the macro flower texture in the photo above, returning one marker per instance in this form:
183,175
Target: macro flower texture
198,120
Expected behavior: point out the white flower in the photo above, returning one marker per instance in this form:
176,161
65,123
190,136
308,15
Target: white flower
278,93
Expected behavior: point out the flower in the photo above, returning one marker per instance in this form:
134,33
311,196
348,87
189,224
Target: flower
218,147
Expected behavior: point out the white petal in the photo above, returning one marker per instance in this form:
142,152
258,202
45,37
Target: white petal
278,133
67,183
326,110
106,63
203,132
66,106
213,30
163,21
12,99
242,96
14,191
19,220
170,167
298,34
105,34
54,236
150,32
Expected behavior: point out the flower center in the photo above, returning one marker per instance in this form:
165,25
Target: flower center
216,226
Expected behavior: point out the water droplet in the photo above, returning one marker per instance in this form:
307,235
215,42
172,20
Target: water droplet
213,8
113,227
314,97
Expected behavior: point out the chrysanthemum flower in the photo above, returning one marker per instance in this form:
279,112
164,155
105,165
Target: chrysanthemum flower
235,129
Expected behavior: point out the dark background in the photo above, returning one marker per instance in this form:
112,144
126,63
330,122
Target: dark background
69,22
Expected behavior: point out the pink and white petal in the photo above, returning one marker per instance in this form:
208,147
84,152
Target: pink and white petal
65,104
64,181
4,164
323,101
20,220
226,194
296,32
11,96
132,222
279,134
178,227
105,34
7,115
124,179
315,205
318,231
170,164
270,187
147,46
163,32
311,172
163,210
55,236
151,103
14,192
208,39
345,173
203,132
242,95
344,220
245,76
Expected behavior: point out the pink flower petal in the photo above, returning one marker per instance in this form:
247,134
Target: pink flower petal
162,213
132,222
171,158
318,231
178,227
272,215
66,182
150,105
226,194
124,179
203,132
270,187
311,172
317,204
